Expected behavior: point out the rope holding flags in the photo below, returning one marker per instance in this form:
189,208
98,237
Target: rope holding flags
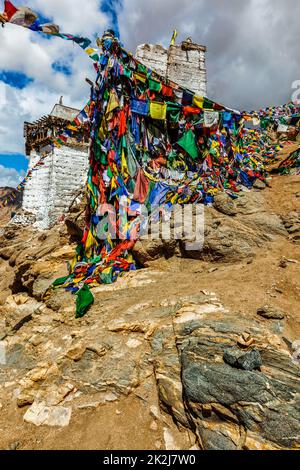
25,17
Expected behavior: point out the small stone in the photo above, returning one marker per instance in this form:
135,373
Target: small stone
133,343
39,414
224,204
2,353
261,185
271,313
154,412
212,270
296,345
205,292
25,399
55,395
296,357
76,352
110,397
247,361
170,443
154,426
42,372
36,340
97,349
280,291
14,446
245,340
21,299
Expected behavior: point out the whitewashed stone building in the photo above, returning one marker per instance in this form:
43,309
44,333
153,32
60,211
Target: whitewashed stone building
54,185
183,64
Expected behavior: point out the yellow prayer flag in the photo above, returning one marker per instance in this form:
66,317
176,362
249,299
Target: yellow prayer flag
91,50
102,129
140,77
113,102
158,110
173,37
125,172
89,244
198,101
113,184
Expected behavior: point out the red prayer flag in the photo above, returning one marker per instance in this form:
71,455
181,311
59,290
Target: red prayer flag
9,9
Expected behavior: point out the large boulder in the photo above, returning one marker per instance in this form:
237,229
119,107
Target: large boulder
231,396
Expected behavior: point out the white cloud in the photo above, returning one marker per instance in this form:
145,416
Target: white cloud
10,177
253,54
33,54
73,16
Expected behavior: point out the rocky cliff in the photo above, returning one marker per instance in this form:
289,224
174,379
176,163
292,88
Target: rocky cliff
194,351
10,201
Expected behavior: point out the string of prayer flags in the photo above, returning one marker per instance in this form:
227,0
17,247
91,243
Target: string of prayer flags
24,16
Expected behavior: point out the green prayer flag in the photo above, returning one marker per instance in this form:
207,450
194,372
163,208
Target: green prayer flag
174,110
95,57
154,85
208,104
141,68
60,281
127,72
188,143
84,300
107,278
109,173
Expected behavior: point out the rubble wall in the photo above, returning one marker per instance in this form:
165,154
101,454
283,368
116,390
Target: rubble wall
52,188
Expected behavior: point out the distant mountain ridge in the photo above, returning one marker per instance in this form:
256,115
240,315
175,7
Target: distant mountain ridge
10,200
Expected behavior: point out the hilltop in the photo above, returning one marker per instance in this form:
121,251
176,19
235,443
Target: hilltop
131,366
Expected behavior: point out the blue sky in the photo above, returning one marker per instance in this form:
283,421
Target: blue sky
14,160
253,55
15,78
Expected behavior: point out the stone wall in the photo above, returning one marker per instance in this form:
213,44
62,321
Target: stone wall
52,188
183,64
